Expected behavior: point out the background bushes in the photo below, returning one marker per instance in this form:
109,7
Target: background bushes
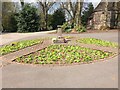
8,20
27,19
9,23
58,18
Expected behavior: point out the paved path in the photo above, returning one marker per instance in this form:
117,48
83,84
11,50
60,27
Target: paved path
7,38
10,37
97,75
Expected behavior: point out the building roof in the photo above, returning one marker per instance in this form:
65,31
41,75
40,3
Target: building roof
111,6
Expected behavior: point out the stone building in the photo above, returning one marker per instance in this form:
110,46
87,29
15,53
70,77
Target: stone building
100,16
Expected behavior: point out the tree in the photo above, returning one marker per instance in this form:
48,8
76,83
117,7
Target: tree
8,20
74,9
27,19
77,17
45,6
58,18
49,22
22,3
1,28
87,13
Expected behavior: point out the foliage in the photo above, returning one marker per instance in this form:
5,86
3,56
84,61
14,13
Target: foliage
58,18
80,29
18,45
42,22
49,22
68,30
8,19
97,42
27,19
22,2
61,54
67,27
9,23
87,13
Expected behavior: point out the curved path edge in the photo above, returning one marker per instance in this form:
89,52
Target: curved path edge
7,59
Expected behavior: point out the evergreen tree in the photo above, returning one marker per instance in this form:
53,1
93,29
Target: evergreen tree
8,20
87,13
58,18
27,19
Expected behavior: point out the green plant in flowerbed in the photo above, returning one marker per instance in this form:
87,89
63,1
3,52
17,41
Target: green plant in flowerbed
18,45
63,54
67,27
97,42
80,29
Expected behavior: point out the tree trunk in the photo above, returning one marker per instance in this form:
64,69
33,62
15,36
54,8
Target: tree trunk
44,16
77,16
22,2
77,12
75,9
44,13
45,20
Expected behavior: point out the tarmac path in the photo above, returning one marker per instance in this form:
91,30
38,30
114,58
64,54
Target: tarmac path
102,74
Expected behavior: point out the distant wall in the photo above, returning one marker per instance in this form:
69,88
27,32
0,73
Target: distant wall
99,19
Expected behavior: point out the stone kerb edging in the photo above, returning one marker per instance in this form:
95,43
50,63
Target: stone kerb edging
9,57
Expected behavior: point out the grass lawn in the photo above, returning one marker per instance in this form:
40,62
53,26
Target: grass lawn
63,54
97,42
15,46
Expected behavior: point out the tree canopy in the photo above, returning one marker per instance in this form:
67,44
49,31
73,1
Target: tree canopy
87,12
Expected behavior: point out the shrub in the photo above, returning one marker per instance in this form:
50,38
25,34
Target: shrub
80,29
7,17
67,27
27,19
58,18
9,23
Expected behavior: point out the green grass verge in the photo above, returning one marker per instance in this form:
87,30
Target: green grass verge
15,46
61,54
97,42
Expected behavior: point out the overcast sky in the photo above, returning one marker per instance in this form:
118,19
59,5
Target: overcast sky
95,2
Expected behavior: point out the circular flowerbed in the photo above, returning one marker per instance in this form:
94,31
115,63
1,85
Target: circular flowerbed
63,54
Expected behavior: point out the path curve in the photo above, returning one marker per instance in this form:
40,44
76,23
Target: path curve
96,75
